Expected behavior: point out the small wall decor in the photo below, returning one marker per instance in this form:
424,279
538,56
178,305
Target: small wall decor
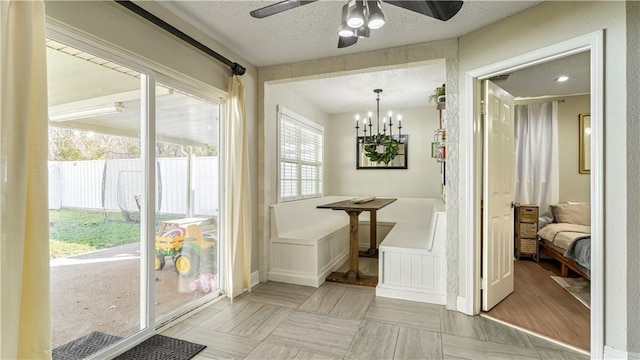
584,144
390,153
439,97
439,146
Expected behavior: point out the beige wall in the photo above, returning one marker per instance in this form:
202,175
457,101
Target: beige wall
117,27
573,185
547,24
421,179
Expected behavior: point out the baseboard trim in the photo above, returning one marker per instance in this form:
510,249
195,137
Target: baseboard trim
406,294
254,279
461,305
612,353
297,278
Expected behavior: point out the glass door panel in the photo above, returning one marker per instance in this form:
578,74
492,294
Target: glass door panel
95,188
186,245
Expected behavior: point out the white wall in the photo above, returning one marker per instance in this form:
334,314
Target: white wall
282,95
110,23
420,179
544,25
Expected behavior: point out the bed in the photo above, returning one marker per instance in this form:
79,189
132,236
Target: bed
568,238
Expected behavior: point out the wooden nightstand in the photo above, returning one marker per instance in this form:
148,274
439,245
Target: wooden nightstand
526,231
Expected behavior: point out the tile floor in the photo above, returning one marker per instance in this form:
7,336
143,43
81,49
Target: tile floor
335,321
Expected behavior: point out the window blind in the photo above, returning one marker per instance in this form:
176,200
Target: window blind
300,157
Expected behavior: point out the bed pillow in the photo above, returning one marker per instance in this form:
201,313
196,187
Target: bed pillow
579,214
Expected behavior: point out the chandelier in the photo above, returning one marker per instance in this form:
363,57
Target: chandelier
379,147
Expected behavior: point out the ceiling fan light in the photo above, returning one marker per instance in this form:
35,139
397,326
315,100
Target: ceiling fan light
344,30
376,16
355,16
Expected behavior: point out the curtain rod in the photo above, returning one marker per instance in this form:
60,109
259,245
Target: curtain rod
236,68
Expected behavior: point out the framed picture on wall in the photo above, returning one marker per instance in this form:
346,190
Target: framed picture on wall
398,162
584,144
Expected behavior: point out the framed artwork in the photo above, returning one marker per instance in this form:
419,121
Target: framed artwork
398,162
584,144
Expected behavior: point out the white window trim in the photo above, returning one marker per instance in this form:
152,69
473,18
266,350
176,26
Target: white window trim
281,110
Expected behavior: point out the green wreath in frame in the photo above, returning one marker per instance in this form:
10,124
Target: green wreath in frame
389,149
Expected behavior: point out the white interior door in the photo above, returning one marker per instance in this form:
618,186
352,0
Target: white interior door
498,194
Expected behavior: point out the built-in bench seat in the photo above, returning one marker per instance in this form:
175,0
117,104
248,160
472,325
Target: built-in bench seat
308,243
412,257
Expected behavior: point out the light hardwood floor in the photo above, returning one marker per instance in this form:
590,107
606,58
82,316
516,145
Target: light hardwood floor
540,305
336,321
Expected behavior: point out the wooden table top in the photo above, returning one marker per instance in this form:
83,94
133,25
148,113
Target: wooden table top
375,204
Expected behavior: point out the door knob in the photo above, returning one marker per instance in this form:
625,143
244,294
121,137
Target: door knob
514,204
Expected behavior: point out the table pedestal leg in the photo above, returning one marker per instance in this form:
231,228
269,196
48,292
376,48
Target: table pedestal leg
353,273
372,252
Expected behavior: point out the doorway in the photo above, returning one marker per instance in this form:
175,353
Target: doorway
472,194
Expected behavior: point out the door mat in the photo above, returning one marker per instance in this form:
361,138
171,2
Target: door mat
160,347
580,288
157,347
84,347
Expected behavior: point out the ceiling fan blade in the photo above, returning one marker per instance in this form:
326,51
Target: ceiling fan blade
344,42
278,8
441,10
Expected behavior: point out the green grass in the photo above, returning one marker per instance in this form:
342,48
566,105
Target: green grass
78,231
89,228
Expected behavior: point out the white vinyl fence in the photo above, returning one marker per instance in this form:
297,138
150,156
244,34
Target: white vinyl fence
90,185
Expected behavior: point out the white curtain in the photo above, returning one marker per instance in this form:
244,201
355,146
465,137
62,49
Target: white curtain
537,173
237,194
24,251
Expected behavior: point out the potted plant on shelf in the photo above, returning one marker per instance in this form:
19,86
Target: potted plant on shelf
439,96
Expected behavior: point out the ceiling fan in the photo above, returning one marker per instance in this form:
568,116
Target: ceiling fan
360,16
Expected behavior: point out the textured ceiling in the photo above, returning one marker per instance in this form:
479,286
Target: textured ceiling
411,87
402,88
309,32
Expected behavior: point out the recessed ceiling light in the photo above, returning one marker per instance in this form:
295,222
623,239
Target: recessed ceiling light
562,78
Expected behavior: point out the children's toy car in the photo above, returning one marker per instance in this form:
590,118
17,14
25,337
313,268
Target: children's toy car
169,244
196,253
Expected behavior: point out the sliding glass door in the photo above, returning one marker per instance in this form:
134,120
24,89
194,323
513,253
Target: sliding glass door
95,188
133,196
186,243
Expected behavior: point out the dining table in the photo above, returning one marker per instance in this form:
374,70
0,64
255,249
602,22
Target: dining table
354,208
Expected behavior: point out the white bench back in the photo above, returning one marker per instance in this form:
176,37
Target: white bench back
291,216
407,210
